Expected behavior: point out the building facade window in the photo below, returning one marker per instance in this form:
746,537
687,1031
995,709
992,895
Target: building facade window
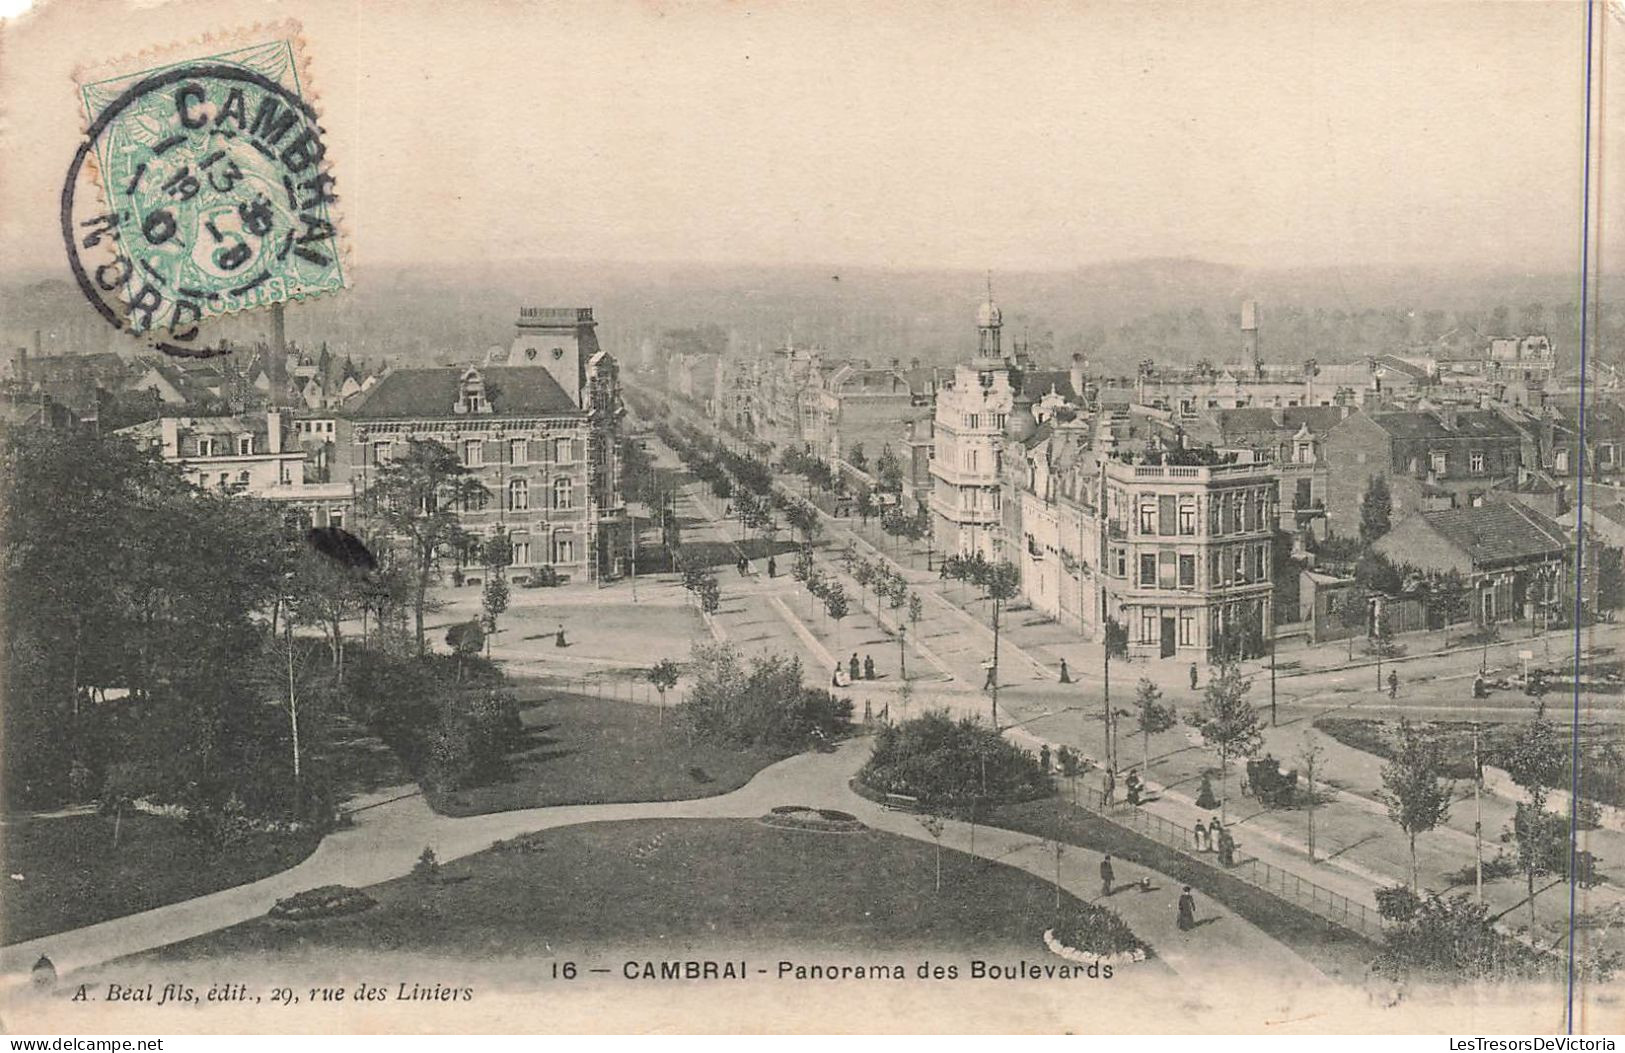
245,445
1438,462
1187,628
1148,569
564,550
517,453
563,494
1562,460
561,450
1187,571
1148,625
521,553
518,495
1476,462
1187,520
1148,516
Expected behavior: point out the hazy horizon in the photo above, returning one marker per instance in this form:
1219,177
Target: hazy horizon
1027,137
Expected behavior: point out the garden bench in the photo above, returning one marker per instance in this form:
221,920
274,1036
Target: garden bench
901,802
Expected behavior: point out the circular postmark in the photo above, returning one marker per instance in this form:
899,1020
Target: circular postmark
213,197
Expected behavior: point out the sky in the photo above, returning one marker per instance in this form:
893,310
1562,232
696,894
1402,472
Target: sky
1014,135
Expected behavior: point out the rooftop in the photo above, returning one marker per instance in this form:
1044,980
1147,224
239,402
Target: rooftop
432,394
1499,531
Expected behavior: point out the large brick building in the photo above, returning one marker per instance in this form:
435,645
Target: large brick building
541,433
1433,460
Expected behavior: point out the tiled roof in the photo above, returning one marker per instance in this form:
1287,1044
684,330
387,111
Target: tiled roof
1035,384
1429,425
1499,531
431,394
1252,420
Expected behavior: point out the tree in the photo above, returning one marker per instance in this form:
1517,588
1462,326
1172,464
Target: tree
933,826
417,497
1610,579
889,470
1151,716
916,608
1416,798
1228,722
322,591
1535,760
863,572
857,458
837,607
1376,509
999,582
494,602
1309,756
663,675
465,639
1447,598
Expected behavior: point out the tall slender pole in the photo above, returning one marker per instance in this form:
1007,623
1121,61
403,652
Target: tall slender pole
1478,821
995,671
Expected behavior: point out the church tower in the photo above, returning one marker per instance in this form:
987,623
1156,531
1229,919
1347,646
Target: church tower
988,323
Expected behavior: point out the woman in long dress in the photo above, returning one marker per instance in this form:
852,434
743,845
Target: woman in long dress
1187,910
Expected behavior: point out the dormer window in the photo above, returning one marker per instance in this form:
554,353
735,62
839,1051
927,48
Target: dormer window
471,394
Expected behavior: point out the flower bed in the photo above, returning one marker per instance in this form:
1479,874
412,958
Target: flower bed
828,820
1093,934
329,901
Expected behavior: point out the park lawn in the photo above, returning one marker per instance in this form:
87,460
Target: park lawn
581,750
73,876
1335,951
732,885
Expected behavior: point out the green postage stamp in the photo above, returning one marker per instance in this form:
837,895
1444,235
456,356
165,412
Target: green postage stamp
216,193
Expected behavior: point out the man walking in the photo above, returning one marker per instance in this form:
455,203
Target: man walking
772,567
868,667
1393,684
1106,876
852,667
1193,676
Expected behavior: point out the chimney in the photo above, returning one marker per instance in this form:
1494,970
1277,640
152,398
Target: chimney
1343,411
38,346
169,431
1484,401
1076,373
914,363
273,431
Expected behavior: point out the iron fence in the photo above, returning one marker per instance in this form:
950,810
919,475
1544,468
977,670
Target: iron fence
1334,907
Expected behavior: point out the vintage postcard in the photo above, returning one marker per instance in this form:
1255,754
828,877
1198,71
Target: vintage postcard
1077,517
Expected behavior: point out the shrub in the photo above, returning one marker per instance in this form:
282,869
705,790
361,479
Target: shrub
427,868
1454,939
1096,930
525,843
329,901
1397,903
764,702
1501,866
472,739
948,763
541,578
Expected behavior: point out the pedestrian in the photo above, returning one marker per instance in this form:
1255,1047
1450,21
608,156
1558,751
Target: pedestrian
1187,910
1199,835
772,567
852,667
1133,784
1393,684
1227,849
989,684
835,681
868,667
559,641
1193,676
1066,677
1043,757
1215,832
1109,789
1106,876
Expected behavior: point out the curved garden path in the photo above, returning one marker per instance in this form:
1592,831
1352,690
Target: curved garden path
388,837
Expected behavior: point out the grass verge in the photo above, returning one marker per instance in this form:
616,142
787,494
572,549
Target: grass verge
73,876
